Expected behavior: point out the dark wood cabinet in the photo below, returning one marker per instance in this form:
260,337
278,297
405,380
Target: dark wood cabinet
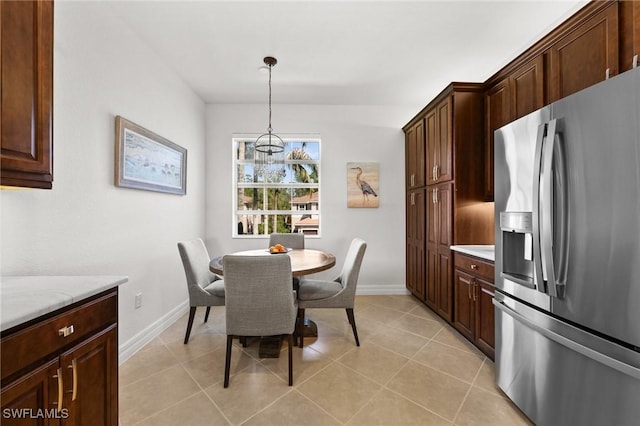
415,156
464,315
439,140
90,369
473,301
514,96
585,55
30,393
454,198
580,52
416,244
63,366
26,86
439,234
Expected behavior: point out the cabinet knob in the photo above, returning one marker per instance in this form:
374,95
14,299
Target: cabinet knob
474,266
66,331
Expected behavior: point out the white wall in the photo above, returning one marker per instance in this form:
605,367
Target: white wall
86,225
349,133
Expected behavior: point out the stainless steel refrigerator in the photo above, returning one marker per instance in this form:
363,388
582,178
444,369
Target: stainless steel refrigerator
567,260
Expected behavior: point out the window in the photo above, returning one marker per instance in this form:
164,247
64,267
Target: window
281,202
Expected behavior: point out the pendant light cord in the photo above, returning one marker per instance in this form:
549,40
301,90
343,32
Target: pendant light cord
270,128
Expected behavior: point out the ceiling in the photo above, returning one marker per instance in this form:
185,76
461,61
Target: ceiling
338,52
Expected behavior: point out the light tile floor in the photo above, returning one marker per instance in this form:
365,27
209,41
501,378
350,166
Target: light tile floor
411,369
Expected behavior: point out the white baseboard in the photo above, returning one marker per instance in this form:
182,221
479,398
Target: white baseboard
381,289
137,342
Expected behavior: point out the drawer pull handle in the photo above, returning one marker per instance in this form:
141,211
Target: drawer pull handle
474,266
60,388
66,331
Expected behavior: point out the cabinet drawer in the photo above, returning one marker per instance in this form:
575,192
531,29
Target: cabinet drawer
475,266
40,340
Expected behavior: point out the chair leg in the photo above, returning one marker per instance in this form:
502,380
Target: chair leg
301,332
227,361
352,321
192,314
290,344
206,315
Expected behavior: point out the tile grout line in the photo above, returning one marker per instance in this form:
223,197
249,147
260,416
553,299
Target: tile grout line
468,391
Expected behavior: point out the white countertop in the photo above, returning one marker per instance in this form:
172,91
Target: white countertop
483,252
25,298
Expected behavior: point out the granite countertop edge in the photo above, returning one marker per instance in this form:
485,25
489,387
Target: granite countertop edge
486,252
23,298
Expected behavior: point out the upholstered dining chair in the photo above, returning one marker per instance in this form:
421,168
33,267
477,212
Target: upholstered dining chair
294,241
339,293
205,288
259,301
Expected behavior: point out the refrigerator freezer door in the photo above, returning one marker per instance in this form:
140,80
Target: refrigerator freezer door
561,375
516,146
598,132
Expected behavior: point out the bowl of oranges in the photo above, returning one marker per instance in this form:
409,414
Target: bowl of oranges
278,249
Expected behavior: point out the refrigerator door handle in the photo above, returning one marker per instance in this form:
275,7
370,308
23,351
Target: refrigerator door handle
546,210
537,165
553,187
575,346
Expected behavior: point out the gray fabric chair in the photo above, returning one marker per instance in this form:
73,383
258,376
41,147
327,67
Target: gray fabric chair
205,287
294,241
339,293
259,301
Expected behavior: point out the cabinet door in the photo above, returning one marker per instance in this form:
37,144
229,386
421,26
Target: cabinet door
484,317
438,124
415,155
91,380
527,87
31,394
445,286
582,58
416,244
444,209
444,159
497,114
464,314
431,297
26,82
431,135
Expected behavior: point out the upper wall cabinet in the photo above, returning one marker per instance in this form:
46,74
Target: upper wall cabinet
585,55
514,96
582,51
26,84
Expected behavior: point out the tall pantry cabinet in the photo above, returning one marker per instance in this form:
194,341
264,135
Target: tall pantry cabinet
445,194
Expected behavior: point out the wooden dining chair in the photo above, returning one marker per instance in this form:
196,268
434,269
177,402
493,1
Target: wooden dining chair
339,293
205,288
259,301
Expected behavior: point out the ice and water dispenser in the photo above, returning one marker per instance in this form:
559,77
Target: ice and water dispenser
517,247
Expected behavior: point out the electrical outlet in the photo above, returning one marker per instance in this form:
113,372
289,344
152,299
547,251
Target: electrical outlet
138,300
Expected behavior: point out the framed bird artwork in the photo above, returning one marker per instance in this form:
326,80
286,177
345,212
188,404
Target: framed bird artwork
363,185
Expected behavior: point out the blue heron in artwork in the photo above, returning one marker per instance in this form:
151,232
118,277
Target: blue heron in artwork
364,186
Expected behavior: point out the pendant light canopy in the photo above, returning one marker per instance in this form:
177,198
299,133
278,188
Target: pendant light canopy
269,147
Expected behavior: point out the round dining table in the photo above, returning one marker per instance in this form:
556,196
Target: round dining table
303,261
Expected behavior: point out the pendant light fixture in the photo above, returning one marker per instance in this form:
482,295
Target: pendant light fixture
269,147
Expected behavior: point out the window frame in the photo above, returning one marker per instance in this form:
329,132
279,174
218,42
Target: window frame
265,185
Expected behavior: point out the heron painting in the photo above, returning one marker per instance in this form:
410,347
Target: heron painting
363,184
